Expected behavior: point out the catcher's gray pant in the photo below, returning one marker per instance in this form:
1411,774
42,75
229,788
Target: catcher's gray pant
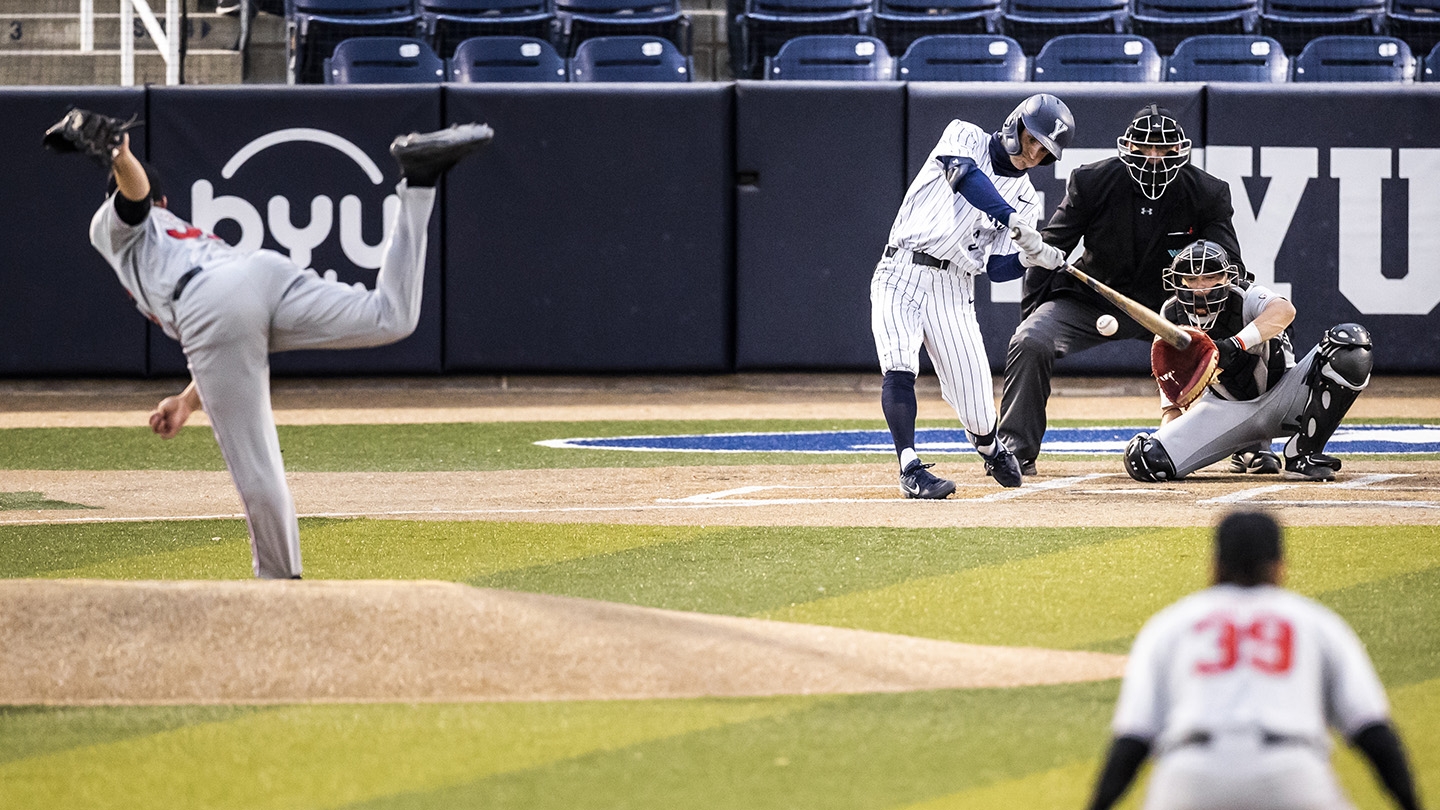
233,315
912,303
1055,329
1245,774
1213,428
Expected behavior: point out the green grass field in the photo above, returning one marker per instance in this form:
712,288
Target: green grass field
1060,587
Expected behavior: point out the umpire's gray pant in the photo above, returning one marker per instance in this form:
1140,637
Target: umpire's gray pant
233,315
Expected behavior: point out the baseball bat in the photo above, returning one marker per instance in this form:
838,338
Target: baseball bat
1143,315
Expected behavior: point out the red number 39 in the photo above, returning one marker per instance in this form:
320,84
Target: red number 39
1267,644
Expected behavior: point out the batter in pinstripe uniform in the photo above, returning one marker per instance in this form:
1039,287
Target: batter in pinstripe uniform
967,212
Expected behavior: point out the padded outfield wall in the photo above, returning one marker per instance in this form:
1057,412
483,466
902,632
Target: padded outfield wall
708,227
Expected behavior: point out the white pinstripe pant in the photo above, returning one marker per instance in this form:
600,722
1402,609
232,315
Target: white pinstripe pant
913,303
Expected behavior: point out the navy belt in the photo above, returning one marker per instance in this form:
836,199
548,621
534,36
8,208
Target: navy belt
1266,738
184,282
919,258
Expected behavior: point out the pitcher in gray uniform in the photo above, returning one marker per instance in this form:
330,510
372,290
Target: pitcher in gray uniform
1261,392
230,309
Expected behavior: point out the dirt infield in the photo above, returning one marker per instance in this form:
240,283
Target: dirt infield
79,642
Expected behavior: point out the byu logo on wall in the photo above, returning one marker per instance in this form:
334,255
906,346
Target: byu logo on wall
306,169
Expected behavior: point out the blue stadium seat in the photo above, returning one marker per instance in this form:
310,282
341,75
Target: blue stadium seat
507,59
766,25
585,19
384,60
629,59
1098,58
447,23
1355,59
898,23
1295,22
1228,58
315,27
1167,22
1432,65
1415,21
963,58
1032,23
836,57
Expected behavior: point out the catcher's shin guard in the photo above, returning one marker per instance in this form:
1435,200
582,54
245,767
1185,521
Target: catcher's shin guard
1340,372
1146,460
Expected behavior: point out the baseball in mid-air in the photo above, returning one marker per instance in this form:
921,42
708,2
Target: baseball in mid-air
1106,325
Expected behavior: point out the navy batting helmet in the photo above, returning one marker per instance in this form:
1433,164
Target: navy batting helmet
1154,148
1048,121
1201,277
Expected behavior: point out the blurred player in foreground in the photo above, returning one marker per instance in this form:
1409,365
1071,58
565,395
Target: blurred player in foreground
1231,689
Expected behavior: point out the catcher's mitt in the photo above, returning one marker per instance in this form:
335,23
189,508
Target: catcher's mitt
92,134
1183,374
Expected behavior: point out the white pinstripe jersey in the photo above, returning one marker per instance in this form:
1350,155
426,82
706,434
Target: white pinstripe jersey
1233,660
150,258
934,219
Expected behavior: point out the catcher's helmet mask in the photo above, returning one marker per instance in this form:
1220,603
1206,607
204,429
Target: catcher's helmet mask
1048,121
1198,260
1154,149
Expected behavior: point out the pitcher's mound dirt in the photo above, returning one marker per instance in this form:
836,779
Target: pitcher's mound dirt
108,642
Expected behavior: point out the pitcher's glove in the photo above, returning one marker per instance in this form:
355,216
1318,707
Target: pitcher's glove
1183,374
92,134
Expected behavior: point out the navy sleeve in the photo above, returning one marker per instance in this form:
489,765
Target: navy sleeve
972,184
1126,756
1004,268
131,212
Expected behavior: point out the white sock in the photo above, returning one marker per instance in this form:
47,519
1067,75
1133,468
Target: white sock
986,450
907,456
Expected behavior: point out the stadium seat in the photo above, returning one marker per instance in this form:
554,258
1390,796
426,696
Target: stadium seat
898,23
1355,59
1415,21
383,60
1032,23
629,59
835,57
1098,58
507,59
963,58
447,23
1293,23
1228,58
1432,66
585,19
1167,22
315,27
766,25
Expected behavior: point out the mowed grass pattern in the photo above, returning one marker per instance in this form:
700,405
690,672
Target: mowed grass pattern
1039,747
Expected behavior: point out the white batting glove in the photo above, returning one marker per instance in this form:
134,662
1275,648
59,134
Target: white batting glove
1024,234
1048,257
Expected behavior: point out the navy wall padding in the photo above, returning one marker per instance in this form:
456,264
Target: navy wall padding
1363,243
1101,114
595,234
318,138
821,176
62,310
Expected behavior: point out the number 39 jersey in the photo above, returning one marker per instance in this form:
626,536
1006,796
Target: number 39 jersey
1260,659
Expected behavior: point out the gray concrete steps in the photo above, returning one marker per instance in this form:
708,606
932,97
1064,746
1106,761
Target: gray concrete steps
58,31
102,67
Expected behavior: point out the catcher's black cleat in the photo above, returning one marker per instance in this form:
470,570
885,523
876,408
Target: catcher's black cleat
1257,462
917,482
1325,460
424,157
1004,468
94,135
1027,467
1304,468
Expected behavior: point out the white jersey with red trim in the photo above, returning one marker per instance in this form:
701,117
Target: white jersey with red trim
1260,660
150,258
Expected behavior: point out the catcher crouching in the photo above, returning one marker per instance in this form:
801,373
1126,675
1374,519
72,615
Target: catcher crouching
1238,385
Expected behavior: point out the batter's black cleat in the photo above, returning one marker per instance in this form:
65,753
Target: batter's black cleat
1256,462
1304,468
425,156
917,482
1004,468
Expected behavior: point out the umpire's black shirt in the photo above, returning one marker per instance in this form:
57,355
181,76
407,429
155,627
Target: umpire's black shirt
1130,240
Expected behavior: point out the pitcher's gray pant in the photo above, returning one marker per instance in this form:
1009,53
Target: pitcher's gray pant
1213,428
1238,775
233,315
